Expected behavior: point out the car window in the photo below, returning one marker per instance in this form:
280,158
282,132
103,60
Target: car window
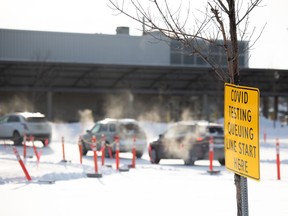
13,119
206,130
103,128
215,130
35,119
112,127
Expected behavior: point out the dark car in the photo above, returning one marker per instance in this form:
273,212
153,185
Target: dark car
128,131
188,141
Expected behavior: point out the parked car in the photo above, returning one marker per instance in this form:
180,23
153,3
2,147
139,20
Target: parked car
14,126
127,130
188,141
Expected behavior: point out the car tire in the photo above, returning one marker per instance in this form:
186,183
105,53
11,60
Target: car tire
189,162
17,139
154,159
84,150
222,161
139,154
108,151
46,143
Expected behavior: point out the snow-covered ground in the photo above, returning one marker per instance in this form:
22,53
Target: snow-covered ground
169,188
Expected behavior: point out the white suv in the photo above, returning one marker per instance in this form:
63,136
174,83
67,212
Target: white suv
15,125
128,131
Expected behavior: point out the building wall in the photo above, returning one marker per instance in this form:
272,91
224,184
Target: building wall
121,49
18,45
148,49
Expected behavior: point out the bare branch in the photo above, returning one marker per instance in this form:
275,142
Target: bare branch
210,29
252,45
254,4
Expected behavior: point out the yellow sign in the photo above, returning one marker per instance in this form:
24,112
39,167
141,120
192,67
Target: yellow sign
241,124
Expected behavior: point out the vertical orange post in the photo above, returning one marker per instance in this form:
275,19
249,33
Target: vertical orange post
35,149
94,148
63,149
110,152
211,153
103,149
80,150
133,153
95,161
278,158
117,152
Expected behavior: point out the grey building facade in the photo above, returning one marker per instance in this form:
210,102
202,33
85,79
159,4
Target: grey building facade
62,74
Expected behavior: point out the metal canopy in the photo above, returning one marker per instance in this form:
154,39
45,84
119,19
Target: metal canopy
101,78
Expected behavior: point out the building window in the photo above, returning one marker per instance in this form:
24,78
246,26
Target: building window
189,59
180,55
175,58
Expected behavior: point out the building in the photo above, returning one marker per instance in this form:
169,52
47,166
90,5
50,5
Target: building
63,74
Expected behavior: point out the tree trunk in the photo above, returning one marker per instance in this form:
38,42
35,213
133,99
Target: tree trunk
234,74
234,70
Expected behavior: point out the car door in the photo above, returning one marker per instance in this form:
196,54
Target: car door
111,133
170,143
102,131
185,138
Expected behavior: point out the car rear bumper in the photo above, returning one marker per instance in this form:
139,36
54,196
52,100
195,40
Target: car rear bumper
123,147
198,152
41,137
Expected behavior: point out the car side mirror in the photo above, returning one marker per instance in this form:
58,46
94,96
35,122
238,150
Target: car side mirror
88,131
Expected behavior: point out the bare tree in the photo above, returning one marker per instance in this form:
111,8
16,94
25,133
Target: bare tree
220,24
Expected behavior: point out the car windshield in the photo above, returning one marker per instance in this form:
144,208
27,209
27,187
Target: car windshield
129,128
179,130
211,130
184,129
96,128
4,119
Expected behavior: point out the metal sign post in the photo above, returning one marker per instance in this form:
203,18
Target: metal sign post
244,197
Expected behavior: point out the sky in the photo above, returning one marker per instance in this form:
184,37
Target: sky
169,188
92,16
